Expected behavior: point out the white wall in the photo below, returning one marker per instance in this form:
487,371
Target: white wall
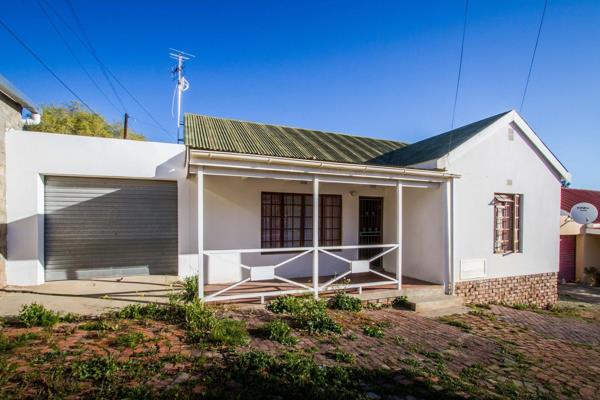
30,156
485,170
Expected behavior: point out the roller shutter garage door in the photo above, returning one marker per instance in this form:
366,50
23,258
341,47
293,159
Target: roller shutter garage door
97,227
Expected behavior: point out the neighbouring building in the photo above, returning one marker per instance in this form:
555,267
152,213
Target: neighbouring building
579,244
249,204
12,104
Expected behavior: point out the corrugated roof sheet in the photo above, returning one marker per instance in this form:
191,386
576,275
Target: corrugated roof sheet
220,134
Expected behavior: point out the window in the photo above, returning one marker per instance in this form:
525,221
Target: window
507,223
286,220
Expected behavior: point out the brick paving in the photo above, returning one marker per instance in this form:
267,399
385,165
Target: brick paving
548,356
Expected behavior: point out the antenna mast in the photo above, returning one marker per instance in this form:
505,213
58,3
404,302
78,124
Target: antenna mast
182,83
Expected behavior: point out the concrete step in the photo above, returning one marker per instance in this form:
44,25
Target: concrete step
441,312
431,303
418,292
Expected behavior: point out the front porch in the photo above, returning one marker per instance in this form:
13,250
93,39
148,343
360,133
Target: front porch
264,231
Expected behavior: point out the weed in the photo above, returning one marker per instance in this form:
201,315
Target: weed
159,312
342,356
342,301
130,340
229,332
97,368
7,344
279,331
307,313
482,314
100,325
287,304
35,314
189,290
376,306
400,302
352,336
375,331
399,340
449,320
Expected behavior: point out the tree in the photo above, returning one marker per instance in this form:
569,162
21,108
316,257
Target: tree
72,119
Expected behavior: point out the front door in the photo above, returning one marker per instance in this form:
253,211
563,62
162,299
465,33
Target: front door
370,226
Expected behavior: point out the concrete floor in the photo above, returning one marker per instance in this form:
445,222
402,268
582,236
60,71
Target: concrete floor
89,297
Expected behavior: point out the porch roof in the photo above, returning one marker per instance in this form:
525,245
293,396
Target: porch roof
233,136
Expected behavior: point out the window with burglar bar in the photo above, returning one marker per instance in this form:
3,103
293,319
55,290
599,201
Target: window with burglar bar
286,220
507,223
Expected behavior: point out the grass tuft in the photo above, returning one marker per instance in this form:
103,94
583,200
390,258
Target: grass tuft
35,314
342,301
279,331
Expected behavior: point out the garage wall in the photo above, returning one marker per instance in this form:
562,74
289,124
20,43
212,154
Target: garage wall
30,156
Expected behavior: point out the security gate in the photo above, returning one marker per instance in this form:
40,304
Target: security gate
96,227
370,226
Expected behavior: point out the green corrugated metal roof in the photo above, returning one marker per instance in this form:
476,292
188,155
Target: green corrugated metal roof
219,134
228,135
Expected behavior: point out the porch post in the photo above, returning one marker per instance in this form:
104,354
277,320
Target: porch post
399,233
315,271
449,234
200,229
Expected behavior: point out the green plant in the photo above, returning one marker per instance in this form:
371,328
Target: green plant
229,332
96,368
399,340
449,320
170,313
375,331
100,325
287,304
307,312
199,320
400,302
342,301
189,290
35,314
130,340
8,343
342,356
279,331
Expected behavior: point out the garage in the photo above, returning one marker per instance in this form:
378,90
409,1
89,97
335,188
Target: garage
99,228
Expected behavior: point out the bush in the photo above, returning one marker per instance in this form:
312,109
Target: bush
342,301
287,304
279,331
229,332
37,315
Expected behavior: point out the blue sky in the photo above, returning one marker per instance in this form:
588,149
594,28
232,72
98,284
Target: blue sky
376,68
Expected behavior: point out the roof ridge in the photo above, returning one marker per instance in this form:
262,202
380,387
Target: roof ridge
296,127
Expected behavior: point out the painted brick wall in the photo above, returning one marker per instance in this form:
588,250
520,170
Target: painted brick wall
10,118
540,290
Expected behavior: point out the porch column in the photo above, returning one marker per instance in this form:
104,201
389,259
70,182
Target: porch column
399,233
315,272
200,229
448,187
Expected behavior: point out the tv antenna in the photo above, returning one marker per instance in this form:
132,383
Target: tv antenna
182,83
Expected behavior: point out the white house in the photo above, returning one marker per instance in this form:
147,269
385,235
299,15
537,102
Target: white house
295,210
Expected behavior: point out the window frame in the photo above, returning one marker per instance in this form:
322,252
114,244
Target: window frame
513,244
306,202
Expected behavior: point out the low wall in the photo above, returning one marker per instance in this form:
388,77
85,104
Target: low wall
540,290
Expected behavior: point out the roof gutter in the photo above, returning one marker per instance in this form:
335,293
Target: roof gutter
318,164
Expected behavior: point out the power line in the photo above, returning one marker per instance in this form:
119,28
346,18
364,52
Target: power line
537,40
462,50
74,55
92,50
85,41
39,59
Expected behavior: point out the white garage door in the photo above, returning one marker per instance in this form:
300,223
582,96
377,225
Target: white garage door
98,227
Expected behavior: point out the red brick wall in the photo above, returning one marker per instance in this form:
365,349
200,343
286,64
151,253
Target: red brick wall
540,290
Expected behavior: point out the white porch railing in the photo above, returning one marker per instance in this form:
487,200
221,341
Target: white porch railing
268,272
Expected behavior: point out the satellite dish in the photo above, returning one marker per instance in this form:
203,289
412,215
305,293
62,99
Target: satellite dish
584,213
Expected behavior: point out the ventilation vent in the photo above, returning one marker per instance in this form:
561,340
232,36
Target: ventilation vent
509,182
511,134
